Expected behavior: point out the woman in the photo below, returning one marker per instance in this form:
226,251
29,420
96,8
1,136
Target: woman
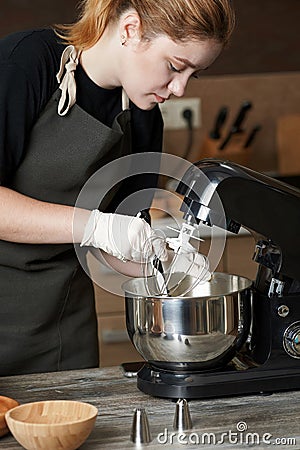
71,101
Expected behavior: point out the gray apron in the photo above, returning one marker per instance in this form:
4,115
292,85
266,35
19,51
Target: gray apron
47,311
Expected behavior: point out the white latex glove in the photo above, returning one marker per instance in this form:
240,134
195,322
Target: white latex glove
125,237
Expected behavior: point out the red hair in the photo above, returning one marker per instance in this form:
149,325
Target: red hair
180,20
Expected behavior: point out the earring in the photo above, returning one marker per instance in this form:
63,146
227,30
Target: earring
123,39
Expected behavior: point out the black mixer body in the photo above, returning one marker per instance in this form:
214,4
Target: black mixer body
269,359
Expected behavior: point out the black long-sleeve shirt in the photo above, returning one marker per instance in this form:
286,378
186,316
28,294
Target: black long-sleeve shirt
29,61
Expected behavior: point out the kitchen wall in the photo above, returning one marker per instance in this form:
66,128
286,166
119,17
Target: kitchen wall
272,95
25,14
265,38
261,64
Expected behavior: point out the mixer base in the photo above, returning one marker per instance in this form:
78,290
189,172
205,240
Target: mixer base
227,382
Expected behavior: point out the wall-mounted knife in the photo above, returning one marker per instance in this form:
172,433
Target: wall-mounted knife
237,124
251,135
220,119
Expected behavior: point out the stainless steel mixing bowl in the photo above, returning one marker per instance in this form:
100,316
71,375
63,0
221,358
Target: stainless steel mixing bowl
202,330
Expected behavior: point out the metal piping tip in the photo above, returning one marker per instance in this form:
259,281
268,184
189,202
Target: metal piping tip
182,418
140,430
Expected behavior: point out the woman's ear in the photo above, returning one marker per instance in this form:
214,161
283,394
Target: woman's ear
130,28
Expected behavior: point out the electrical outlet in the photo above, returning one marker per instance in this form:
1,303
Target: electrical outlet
172,112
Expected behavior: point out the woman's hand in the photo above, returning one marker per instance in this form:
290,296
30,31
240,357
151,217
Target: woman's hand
125,237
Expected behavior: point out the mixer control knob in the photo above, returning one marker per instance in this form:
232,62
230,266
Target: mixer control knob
283,310
291,340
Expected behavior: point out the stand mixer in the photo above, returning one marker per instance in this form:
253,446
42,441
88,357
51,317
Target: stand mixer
227,336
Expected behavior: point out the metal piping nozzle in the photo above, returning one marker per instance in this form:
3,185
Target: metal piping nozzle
140,431
182,418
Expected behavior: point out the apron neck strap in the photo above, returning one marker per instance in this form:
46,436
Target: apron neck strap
125,100
67,85
66,79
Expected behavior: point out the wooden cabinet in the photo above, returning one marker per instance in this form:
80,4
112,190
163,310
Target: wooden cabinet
115,346
114,343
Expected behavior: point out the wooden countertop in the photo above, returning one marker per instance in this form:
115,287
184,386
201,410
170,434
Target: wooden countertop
274,418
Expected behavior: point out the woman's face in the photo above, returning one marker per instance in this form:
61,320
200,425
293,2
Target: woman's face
152,72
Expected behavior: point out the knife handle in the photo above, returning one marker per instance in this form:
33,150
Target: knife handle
226,140
251,135
221,117
236,127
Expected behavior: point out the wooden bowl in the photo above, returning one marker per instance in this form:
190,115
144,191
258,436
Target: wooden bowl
53,424
6,403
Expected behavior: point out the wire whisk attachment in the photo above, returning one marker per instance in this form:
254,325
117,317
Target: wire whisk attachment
183,271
